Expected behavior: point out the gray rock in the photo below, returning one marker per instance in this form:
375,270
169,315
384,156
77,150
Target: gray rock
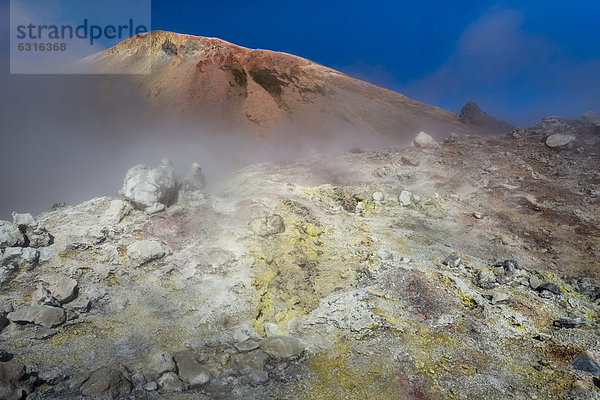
247,345
282,346
144,251
568,322
425,141
10,235
550,287
107,382
150,386
190,370
42,296
36,235
158,364
65,290
405,198
258,377
3,321
254,360
452,261
20,257
170,382
195,179
116,211
267,226
377,196
485,280
585,363
144,186
47,316
155,208
534,282
498,298
11,375
545,294
559,140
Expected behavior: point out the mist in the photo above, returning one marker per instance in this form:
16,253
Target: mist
70,138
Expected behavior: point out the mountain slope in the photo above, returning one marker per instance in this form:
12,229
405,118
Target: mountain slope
268,90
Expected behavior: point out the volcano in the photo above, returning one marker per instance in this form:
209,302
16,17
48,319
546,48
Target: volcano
268,91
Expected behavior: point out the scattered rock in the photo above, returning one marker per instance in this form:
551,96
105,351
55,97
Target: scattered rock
267,226
117,210
42,296
195,179
107,382
258,377
282,346
144,186
477,215
568,322
155,208
247,345
47,316
158,364
11,375
498,298
144,251
253,360
510,266
485,280
65,290
377,196
425,141
21,257
550,287
170,382
10,235
585,363
190,370
534,282
150,386
558,140
35,234
452,261
405,198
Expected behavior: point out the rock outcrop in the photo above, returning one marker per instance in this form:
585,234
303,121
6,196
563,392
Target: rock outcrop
472,115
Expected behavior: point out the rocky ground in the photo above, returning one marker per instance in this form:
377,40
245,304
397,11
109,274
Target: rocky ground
463,269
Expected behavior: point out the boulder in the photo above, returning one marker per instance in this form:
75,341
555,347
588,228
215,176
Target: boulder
405,198
251,361
10,235
558,140
47,316
107,382
267,226
585,363
190,370
195,179
35,234
116,211
11,375
425,141
485,279
282,346
144,186
144,251
22,257
65,290
170,382
158,364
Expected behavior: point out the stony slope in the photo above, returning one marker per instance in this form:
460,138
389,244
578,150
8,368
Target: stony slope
467,269
269,92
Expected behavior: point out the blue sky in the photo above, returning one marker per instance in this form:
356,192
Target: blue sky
519,60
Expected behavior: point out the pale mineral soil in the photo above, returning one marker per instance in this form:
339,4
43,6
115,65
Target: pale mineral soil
354,274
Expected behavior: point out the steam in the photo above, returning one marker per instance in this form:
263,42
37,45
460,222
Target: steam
69,138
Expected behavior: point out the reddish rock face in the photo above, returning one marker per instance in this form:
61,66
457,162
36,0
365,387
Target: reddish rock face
266,91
